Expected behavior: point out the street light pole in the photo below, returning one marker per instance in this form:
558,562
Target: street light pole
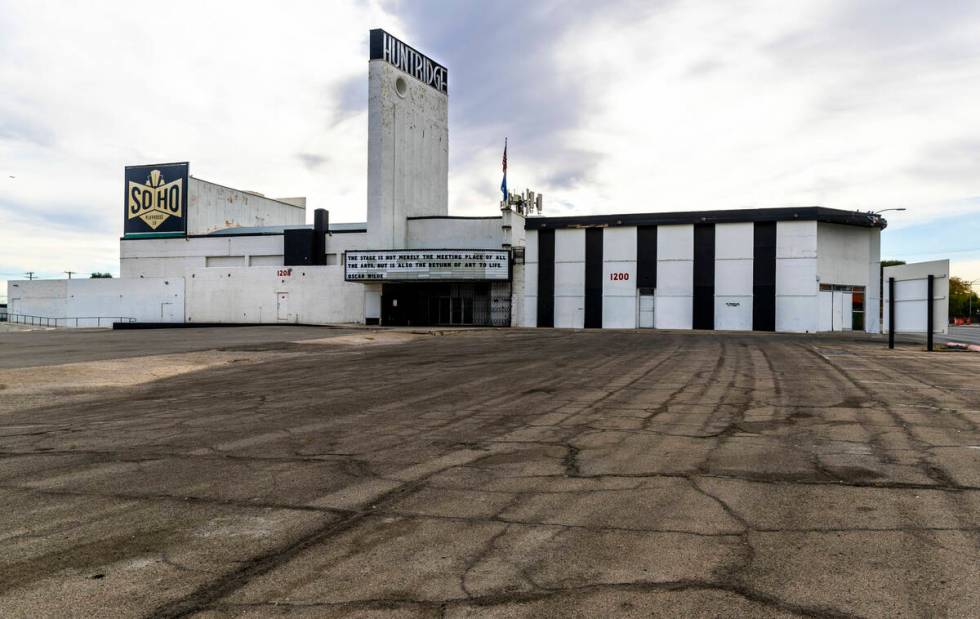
885,210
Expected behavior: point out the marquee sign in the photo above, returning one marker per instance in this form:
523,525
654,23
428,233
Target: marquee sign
156,200
416,265
408,59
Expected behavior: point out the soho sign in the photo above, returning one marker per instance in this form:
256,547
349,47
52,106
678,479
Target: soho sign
427,265
408,59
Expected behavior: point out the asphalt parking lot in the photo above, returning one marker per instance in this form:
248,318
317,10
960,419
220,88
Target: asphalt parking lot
319,472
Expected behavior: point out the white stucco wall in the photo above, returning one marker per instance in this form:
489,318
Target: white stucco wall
734,251
530,314
315,295
844,253
796,276
146,300
45,298
173,257
911,296
851,256
675,277
408,154
872,309
570,278
213,207
454,233
619,295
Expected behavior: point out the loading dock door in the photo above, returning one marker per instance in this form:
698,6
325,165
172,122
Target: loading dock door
646,311
282,305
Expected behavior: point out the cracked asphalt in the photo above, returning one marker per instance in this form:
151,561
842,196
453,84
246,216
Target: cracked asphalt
325,473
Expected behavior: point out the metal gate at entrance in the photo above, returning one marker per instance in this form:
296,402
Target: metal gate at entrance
485,304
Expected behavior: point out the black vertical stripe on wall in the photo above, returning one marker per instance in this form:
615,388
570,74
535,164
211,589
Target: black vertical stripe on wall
764,276
546,278
646,256
704,276
593,278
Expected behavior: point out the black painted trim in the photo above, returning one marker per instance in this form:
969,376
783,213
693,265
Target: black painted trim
704,277
593,278
646,256
764,276
546,278
808,213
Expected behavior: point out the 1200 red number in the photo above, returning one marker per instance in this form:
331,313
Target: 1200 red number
617,277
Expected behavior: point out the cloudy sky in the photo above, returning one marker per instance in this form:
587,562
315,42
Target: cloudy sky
609,106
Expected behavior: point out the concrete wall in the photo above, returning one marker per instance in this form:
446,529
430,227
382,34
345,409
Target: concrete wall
408,154
45,298
796,276
313,295
529,316
851,256
570,278
339,243
734,251
844,256
674,302
213,207
173,257
454,233
872,308
619,295
911,296
146,300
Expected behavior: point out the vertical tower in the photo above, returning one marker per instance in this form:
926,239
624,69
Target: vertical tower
408,139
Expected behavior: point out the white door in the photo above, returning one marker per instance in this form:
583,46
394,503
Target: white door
282,305
826,309
167,312
847,311
838,311
646,311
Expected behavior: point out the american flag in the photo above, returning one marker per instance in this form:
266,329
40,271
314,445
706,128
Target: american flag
503,183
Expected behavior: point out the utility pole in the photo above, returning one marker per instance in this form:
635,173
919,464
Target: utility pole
30,275
70,273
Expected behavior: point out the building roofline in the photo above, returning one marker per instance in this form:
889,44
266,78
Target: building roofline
805,213
246,192
453,217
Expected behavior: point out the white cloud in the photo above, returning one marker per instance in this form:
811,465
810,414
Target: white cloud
635,106
241,90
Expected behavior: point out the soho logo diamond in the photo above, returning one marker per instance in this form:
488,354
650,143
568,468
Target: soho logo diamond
156,200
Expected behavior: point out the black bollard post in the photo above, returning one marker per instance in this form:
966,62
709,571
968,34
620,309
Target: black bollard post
929,311
891,312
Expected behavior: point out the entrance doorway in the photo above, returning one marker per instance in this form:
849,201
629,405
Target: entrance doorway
841,308
646,308
282,306
441,304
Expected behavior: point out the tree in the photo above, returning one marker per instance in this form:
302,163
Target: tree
101,276
962,299
891,263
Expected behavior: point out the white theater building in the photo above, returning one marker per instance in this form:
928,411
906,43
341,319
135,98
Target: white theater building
196,252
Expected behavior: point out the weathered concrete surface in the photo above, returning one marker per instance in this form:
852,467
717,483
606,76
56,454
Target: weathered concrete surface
486,474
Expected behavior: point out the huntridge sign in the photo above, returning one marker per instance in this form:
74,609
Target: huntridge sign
408,59
427,265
